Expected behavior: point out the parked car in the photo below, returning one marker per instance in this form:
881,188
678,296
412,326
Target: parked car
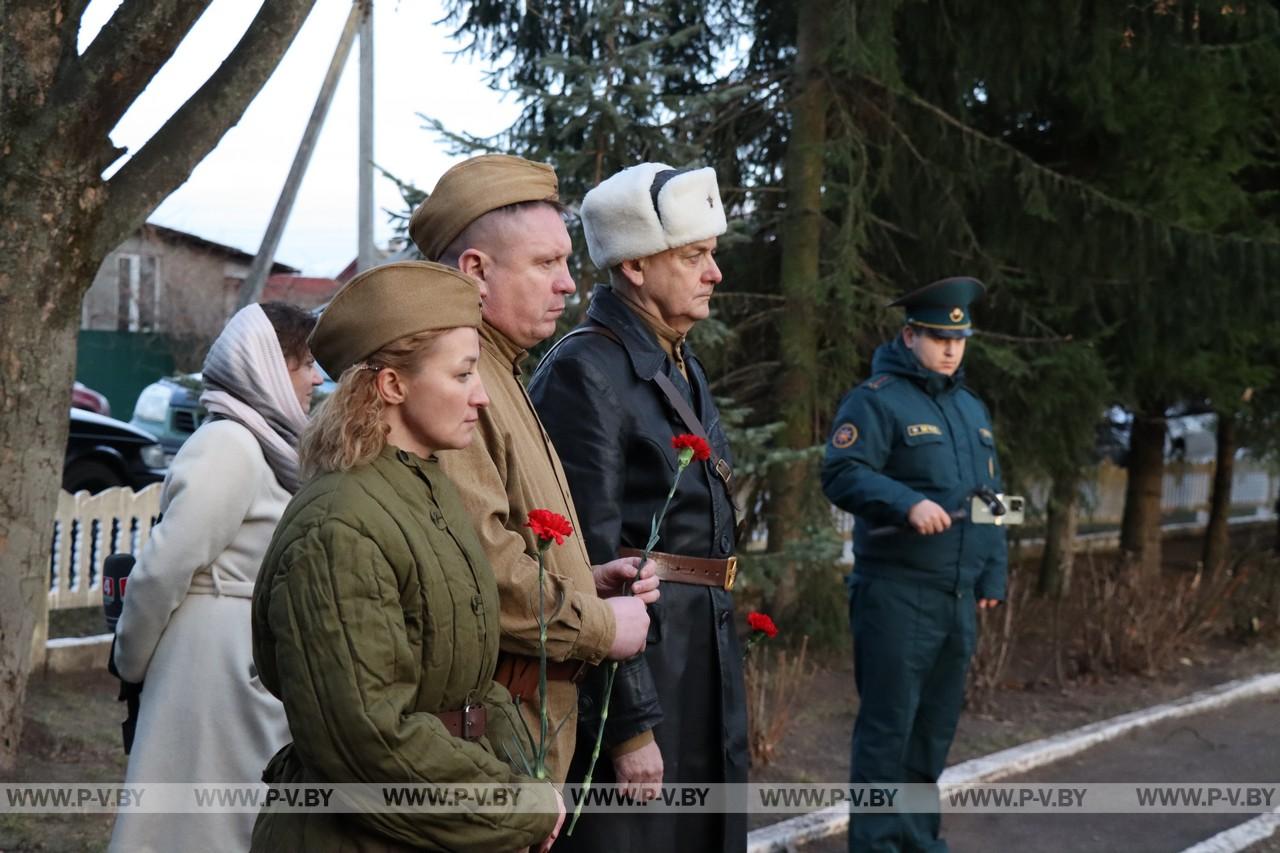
84,397
1190,435
103,452
170,410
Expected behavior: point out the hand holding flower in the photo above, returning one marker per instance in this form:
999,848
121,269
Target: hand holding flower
613,578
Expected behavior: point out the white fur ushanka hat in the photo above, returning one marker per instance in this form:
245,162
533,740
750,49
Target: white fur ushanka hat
650,208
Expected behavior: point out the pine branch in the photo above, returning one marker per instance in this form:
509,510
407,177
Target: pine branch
1023,339
1066,184
123,58
167,159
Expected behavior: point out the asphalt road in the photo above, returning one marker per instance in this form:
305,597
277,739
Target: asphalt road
1237,744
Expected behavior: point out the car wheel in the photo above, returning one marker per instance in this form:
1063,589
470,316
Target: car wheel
90,475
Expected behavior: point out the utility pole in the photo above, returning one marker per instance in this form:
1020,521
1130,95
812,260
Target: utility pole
367,255
251,287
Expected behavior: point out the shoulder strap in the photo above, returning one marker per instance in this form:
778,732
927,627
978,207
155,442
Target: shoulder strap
578,330
686,413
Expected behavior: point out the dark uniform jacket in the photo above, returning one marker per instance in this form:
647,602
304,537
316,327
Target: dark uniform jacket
904,435
375,609
612,427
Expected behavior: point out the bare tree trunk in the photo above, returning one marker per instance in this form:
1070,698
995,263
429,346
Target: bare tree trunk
60,220
37,366
801,248
1140,527
1217,540
1059,553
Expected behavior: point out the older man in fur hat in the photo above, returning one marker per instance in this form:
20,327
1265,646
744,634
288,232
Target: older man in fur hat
612,395
498,219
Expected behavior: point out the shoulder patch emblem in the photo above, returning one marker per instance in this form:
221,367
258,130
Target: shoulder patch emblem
924,429
985,433
844,436
878,382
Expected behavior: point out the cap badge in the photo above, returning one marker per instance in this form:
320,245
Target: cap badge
957,314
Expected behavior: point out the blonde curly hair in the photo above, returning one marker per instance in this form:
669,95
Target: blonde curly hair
348,429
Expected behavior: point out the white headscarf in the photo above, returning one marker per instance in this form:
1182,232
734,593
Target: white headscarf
247,380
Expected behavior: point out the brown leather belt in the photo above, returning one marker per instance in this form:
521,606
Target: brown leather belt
519,673
467,723
677,568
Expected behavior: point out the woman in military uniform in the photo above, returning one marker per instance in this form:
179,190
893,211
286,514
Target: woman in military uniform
375,616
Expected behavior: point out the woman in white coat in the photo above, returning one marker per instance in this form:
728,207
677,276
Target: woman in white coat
185,629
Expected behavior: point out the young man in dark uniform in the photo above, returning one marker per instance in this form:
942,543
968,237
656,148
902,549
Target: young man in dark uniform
908,448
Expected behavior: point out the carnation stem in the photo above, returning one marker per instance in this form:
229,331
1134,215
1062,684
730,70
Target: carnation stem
595,750
543,721
686,456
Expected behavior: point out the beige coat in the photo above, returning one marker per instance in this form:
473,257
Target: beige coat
186,631
509,469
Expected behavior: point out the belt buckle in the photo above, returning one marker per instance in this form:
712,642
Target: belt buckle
730,573
580,674
723,469
467,723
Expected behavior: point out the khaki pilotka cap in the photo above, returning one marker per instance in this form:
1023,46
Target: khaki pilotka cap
388,302
471,189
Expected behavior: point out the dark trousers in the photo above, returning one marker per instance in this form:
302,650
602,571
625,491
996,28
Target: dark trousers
911,649
687,672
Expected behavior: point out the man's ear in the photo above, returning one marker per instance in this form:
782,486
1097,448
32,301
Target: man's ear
389,386
633,271
908,336
474,263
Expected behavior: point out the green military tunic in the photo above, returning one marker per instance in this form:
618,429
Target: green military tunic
376,608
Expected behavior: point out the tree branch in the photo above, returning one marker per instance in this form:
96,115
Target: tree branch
140,38
168,158
1078,187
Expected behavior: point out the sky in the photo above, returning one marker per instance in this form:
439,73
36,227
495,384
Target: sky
230,195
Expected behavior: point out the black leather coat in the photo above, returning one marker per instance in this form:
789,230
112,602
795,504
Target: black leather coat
612,428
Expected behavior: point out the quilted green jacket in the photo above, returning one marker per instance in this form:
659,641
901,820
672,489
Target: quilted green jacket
375,607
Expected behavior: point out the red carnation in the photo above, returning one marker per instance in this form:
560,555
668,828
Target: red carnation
688,441
547,525
762,623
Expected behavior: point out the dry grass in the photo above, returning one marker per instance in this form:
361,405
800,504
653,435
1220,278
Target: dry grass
774,686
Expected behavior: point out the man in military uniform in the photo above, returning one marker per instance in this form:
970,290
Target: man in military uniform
908,448
498,219
613,394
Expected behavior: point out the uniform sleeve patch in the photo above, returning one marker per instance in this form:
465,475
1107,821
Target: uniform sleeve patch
844,436
985,433
924,429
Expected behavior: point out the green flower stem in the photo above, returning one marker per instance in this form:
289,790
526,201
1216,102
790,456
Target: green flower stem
686,456
540,768
595,750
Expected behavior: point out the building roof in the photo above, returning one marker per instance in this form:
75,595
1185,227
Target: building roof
232,252
303,291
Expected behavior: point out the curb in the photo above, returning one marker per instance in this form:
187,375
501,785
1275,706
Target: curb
75,654
1240,837
783,836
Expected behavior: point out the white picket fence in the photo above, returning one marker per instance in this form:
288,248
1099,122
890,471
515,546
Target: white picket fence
89,528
